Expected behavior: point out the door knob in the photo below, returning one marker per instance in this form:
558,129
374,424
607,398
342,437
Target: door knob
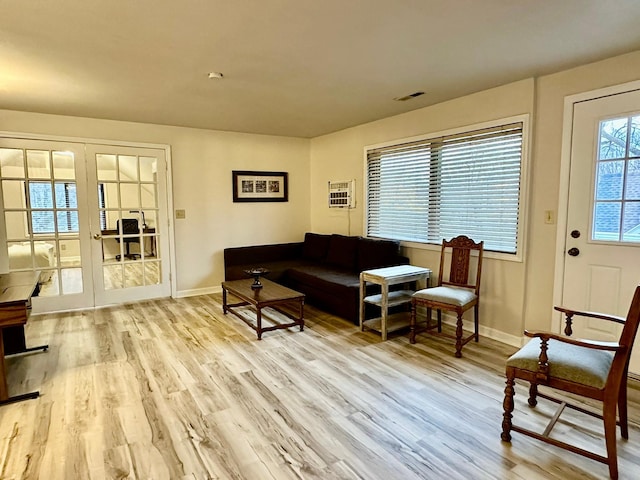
97,236
574,252
575,234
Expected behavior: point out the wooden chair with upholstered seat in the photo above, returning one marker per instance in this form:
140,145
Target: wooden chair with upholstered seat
457,293
592,369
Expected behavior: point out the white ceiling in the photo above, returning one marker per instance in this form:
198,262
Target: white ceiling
291,67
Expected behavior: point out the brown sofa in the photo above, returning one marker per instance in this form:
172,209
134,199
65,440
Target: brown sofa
326,268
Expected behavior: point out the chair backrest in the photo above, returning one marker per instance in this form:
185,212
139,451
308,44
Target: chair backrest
461,248
627,337
129,226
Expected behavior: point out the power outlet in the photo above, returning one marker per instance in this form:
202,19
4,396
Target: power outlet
181,214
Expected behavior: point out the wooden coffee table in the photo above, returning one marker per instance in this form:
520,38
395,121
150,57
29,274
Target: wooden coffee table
283,299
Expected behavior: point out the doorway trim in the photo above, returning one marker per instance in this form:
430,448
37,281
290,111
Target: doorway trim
122,143
563,191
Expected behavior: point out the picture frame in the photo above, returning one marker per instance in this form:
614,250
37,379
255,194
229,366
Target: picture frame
254,186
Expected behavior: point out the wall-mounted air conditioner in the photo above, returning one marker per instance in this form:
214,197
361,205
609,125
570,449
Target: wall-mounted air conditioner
342,194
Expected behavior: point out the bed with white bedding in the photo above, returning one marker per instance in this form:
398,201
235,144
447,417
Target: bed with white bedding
44,256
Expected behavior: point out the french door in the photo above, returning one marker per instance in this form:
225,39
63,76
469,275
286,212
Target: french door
129,223
603,218
43,184
63,204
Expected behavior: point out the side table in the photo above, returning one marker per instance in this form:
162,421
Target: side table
385,277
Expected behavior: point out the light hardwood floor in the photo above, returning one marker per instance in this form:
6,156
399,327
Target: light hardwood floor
174,389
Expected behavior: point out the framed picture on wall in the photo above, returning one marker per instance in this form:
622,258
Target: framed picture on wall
249,186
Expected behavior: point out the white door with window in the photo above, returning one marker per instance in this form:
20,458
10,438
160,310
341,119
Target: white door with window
602,258
129,223
92,219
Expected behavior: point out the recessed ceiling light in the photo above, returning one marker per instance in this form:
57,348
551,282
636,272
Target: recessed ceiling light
408,97
215,75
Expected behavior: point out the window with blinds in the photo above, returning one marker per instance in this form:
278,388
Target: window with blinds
46,212
462,184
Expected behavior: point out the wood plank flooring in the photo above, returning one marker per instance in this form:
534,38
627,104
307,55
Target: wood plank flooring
174,389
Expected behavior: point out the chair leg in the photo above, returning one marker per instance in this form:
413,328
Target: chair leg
507,404
439,321
412,335
476,316
609,416
622,409
458,336
533,393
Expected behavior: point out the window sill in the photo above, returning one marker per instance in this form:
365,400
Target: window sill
487,254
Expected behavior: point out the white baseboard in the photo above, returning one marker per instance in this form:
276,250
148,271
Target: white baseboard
197,291
491,333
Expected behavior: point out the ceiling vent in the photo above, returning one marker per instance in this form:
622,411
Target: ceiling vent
408,97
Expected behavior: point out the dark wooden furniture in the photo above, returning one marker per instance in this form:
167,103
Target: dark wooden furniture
16,290
272,295
457,293
591,369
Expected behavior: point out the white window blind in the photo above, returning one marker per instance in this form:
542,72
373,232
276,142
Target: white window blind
47,213
463,184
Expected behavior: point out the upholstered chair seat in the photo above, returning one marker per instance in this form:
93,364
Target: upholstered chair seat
566,361
449,295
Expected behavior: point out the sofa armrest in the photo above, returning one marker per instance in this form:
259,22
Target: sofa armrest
403,260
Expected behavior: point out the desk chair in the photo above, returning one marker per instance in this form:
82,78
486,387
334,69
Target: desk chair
457,293
129,227
586,368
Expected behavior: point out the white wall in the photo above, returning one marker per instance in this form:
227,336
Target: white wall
202,162
340,156
551,92
514,295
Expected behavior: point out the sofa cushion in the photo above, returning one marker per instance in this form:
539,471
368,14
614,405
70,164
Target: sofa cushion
326,278
315,246
342,251
331,289
374,253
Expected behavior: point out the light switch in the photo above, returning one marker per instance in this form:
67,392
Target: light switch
549,217
181,214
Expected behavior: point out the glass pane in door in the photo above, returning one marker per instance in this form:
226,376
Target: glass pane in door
128,212
152,273
616,212
106,165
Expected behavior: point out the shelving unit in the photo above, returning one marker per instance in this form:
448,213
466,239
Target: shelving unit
385,277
